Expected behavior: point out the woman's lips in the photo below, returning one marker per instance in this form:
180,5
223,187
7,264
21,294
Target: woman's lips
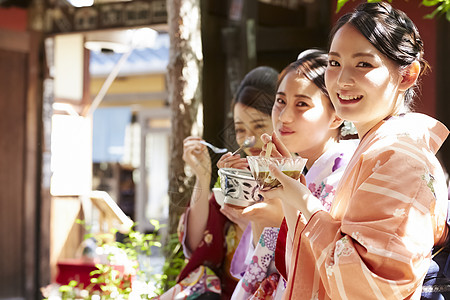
254,151
349,99
285,131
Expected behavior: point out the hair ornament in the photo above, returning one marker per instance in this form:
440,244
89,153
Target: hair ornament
305,53
348,129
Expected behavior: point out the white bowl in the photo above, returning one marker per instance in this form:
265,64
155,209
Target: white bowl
239,187
218,194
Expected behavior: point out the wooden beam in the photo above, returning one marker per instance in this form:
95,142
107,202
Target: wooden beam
31,170
64,19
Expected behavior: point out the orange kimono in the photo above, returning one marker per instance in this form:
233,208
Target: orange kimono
389,210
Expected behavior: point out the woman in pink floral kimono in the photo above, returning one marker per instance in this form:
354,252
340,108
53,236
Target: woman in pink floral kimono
209,233
305,121
390,207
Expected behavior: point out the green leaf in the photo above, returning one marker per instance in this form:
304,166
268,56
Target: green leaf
73,283
94,280
339,5
95,272
65,288
430,15
177,248
430,2
442,7
155,223
217,184
439,10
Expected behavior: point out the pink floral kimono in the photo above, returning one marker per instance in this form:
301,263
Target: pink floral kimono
390,209
259,278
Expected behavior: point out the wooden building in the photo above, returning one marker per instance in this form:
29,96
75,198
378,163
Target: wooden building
237,35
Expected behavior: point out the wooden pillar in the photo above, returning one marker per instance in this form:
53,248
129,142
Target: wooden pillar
184,85
20,205
214,80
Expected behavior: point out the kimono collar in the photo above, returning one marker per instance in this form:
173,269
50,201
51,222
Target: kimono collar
418,126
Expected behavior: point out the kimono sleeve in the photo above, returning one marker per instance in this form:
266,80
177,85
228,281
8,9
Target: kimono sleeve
377,244
212,249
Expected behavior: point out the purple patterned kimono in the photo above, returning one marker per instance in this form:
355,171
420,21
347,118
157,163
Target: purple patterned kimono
259,277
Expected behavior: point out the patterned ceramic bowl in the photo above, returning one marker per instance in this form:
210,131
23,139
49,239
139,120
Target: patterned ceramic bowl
239,187
218,194
291,166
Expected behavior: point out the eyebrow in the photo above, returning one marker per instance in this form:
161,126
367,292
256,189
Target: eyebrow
359,54
252,121
296,95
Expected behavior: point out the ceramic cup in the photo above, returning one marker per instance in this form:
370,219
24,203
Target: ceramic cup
259,166
218,194
239,187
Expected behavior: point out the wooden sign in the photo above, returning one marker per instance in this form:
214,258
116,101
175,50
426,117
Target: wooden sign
110,214
105,16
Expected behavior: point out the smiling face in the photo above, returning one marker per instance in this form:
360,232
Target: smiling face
303,117
363,84
249,121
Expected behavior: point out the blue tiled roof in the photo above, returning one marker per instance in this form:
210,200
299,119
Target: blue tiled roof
140,61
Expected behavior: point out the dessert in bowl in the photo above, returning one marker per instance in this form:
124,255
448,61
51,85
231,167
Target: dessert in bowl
239,187
259,166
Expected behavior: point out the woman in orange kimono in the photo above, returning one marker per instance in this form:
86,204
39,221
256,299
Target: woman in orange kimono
391,204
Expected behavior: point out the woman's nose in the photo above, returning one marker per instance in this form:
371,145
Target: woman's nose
345,78
286,115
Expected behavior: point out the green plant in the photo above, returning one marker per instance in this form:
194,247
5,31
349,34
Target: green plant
341,3
217,183
442,7
175,261
117,285
69,291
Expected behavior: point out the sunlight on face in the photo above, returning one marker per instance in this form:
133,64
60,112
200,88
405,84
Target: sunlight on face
302,116
363,83
249,121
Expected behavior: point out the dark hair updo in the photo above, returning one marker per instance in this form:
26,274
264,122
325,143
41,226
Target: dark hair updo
312,64
391,32
258,89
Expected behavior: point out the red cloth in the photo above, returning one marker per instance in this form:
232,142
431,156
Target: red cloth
213,254
79,270
280,250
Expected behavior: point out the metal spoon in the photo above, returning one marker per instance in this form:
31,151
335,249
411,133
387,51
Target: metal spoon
214,148
248,142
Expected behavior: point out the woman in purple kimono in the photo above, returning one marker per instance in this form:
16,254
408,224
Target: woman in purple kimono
305,121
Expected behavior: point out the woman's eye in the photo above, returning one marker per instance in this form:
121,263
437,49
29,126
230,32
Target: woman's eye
260,125
333,63
279,101
239,130
302,104
363,64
